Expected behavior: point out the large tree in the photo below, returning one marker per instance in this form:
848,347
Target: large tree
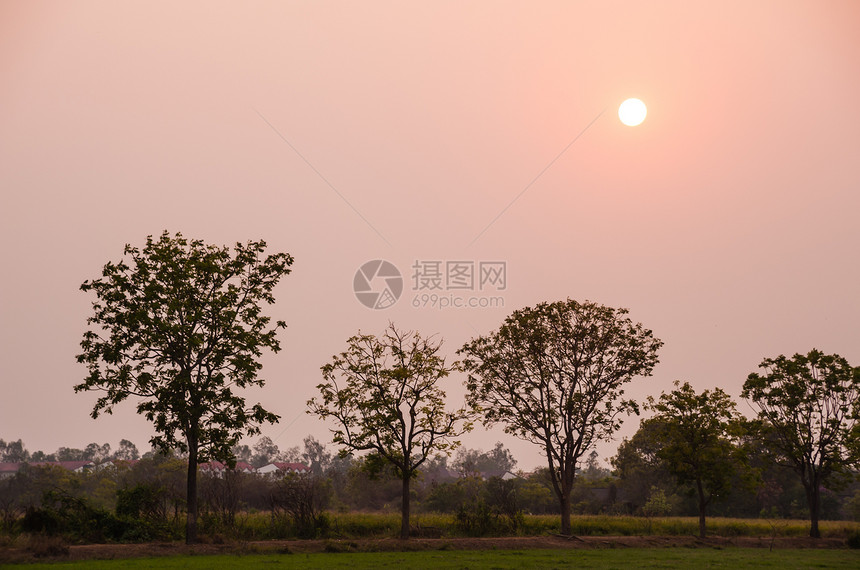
385,397
127,451
697,441
178,326
13,452
809,406
553,374
496,462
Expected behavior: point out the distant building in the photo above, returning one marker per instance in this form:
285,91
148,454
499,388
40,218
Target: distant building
115,464
76,466
279,469
10,469
218,469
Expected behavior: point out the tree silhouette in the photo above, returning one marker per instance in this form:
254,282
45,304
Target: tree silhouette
553,375
809,406
383,394
179,327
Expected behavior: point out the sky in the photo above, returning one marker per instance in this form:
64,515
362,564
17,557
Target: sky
443,134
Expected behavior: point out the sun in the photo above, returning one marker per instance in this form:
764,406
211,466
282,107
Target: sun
632,112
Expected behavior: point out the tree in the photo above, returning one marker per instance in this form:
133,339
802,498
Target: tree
40,455
303,496
384,395
242,452
97,453
13,452
695,441
553,375
496,462
71,454
180,327
809,406
593,470
265,451
315,456
638,468
127,451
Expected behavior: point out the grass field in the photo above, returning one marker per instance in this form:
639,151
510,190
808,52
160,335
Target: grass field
257,526
613,558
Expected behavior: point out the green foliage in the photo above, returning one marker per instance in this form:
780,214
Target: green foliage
695,440
480,508
13,452
553,374
536,496
62,514
302,497
852,506
809,406
384,396
495,462
657,504
346,554
480,519
179,327
139,501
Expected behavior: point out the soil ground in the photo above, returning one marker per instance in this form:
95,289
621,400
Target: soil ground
119,551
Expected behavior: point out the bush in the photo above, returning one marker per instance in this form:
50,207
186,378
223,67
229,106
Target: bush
41,521
481,519
43,546
75,519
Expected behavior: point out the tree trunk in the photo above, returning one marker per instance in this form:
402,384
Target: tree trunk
565,513
191,496
404,512
813,499
702,506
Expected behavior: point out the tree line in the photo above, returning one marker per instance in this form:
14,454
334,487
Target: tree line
179,326
128,500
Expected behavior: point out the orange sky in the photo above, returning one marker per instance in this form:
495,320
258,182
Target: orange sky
726,222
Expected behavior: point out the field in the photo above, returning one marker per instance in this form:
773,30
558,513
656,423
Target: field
257,526
358,540
538,558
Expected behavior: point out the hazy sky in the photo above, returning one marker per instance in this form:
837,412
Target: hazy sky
345,132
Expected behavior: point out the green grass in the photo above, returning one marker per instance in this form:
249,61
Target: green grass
612,558
365,525
378,525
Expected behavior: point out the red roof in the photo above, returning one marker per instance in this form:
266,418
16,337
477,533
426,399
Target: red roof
291,466
212,466
218,466
70,465
10,467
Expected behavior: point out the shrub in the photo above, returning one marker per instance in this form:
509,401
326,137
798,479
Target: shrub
478,518
43,546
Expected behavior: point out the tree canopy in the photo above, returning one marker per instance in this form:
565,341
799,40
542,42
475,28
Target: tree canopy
809,406
553,375
696,441
384,396
178,325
